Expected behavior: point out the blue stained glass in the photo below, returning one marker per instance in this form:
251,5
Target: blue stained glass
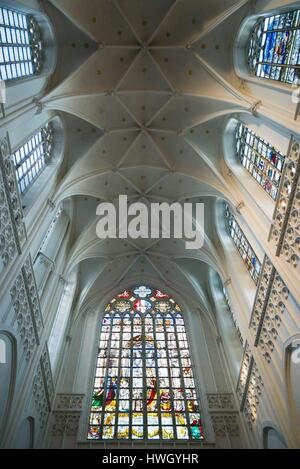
274,47
260,158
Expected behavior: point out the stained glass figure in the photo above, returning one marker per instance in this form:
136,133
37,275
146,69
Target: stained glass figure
144,384
274,48
246,252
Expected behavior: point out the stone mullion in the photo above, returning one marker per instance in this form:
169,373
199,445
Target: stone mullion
170,377
157,378
119,379
106,372
145,429
182,379
130,397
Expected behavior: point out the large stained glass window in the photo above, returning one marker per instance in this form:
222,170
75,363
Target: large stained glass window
274,49
247,253
144,386
20,45
31,158
261,159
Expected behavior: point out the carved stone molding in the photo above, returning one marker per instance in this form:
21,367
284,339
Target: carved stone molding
43,388
246,367
226,425
223,415
69,402
27,309
66,423
249,388
285,231
67,413
269,307
47,375
40,398
253,394
12,228
220,402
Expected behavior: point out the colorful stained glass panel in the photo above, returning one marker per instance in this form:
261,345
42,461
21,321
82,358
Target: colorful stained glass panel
144,386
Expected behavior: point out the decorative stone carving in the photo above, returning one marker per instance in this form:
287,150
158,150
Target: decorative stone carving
40,397
285,231
66,416
47,375
269,306
252,396
250,386
65,424
12,228
223,415
226,425
222,401
43,388
69,402
33,297
27,309
246,367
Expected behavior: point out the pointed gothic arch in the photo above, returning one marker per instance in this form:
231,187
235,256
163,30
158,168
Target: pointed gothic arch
144,385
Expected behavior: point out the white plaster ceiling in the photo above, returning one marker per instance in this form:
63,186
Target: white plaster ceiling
157,88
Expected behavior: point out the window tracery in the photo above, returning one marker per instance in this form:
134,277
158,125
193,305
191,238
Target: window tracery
20,45
243,246
260,158
144,386
274,47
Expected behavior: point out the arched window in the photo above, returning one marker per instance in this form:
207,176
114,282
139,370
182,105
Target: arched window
260,158
20,45
31,158
247,253
144,386
274,49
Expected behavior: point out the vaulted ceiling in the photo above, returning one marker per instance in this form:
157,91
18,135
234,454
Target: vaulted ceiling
151,84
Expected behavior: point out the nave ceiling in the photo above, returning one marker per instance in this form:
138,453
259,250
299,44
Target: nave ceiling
150,86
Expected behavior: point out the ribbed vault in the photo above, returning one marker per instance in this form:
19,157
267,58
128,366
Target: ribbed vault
157,91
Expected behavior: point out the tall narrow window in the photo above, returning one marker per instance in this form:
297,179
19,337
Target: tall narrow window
234,320
51,228
247,253
261,159
144,386
32,157
20,45
274,49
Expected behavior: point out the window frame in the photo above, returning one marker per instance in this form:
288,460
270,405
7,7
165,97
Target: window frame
248,145
27,156
243,246
21,51
256,47
144,388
